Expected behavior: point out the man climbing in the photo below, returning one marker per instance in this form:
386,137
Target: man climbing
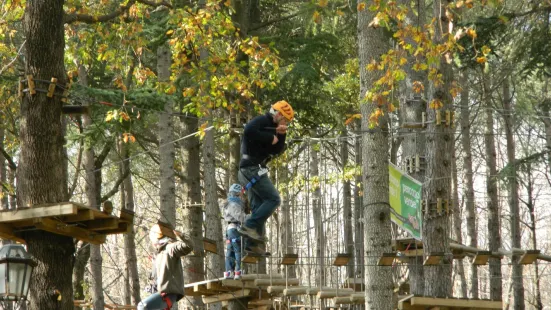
233,210
167,268
264,138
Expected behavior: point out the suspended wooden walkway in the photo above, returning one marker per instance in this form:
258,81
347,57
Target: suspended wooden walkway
406,248
65,218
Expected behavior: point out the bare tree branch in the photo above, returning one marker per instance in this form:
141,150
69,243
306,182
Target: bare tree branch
115,188
77,170
7,156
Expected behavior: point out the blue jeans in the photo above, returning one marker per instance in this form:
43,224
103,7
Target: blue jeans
156,302
263,198
233,250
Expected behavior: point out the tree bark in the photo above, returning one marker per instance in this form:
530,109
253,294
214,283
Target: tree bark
166,147
286,226
413,145
496,290
316,212
4,204
468,187
131,259
372,43
40,176
438,175
358,212
458,236
512,188
530,204
192,211
347,207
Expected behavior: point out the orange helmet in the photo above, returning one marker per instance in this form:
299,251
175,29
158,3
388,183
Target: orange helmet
285,109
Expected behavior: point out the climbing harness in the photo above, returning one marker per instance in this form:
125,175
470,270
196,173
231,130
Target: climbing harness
167,300
262,171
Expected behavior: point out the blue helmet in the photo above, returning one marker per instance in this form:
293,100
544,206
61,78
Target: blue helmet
235,188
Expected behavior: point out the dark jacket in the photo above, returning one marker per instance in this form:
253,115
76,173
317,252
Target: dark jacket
257,141
168,267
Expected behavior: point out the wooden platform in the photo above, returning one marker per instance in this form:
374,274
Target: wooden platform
65,218
88,305
421,303
260,286
356,284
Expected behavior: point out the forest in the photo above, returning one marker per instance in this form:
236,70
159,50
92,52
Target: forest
418,163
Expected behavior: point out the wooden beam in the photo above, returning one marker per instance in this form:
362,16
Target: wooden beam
82,215
275,289
226,296
6,232
102,224
253,276
387,259
342,259
123,228
127,215
202,289
238,284
342,300
324,294
481,257
260,302
39,211
268,282
529,257
210,245
289,259
433,259
61,228
315,290
250,258
218,287
458,303
293,291
357,298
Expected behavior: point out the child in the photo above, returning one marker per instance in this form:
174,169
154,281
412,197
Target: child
234,215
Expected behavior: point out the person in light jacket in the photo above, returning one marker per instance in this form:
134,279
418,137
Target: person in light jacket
233,210
168,270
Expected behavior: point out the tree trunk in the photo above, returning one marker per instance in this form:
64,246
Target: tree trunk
215,266
40,176
458,236
512,187
4,204
413,145
372,43
166,147
495,275
192,212
93,194
437,184
468,187
131,259
530,204
11,181
92,191
316,212
358,212
286,225
347,207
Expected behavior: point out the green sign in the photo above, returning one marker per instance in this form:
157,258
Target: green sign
405,201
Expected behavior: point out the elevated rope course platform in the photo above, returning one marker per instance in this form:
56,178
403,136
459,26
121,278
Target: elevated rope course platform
406,248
